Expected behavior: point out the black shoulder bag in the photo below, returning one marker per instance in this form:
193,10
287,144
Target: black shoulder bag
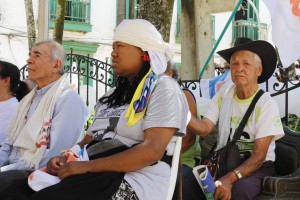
228,158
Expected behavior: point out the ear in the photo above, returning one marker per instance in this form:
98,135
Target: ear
169,72
57,66
6,81
259,69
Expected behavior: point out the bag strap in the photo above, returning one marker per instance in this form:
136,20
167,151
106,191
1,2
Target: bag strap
240,128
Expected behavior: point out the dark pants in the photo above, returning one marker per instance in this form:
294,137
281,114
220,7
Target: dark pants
8,177
187,174
87,186
247,188
13,177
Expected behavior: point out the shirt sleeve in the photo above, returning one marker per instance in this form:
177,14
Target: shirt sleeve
70,115
268,120
213,110
167,107
5,152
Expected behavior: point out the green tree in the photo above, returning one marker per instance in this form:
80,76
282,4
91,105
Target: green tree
159,13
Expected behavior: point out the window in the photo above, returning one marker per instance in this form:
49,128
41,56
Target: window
77,15
245,23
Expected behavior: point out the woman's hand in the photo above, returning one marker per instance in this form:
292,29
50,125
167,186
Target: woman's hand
72,168
54,164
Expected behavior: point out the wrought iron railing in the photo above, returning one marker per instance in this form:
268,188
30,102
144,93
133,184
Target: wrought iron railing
76,11
92,78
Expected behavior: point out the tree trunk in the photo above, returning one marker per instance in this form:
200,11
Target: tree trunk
188,69
159,13
196,35
132,9
121,11
58,31
30,23
203,23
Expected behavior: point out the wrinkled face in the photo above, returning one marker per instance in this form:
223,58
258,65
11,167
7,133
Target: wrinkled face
244,69
40,65
126,59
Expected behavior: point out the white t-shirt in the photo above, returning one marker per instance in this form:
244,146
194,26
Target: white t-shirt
264,121
7,110
167,107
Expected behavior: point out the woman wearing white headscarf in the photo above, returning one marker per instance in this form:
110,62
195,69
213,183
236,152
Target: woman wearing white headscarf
132,138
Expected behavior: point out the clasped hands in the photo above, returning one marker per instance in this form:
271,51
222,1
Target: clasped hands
58,166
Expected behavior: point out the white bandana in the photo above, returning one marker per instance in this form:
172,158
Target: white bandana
142,34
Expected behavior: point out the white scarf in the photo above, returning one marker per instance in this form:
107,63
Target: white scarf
225,116
141,33
32,136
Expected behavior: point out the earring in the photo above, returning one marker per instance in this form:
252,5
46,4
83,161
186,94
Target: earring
146,57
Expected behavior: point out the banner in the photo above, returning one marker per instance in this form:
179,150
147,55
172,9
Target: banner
285,15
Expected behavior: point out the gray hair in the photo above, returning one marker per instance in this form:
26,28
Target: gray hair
171,66
57,52
257,59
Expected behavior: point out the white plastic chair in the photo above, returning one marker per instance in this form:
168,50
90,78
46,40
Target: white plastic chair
174,168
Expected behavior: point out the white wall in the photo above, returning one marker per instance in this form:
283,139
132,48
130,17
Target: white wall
13,31
103,20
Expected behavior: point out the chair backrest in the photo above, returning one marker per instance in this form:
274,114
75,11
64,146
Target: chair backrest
174,168
287,152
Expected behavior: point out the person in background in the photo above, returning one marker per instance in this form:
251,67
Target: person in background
190,143
48,119
12,90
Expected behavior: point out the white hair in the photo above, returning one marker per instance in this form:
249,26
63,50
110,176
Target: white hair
57,52
257,59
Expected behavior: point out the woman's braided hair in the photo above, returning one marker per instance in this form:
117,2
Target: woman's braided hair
18,88
125,89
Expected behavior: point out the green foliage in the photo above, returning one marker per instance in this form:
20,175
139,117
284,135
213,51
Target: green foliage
294,122
89,121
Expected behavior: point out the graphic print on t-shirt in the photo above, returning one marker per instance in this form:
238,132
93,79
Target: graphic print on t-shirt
106,120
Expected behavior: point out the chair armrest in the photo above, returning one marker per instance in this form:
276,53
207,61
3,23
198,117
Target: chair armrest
282,186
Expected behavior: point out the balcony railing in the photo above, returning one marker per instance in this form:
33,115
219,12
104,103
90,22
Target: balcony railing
76,10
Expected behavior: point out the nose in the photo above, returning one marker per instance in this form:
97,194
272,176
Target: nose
114,53
29,60
240,67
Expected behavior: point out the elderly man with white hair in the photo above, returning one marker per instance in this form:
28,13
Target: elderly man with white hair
131,141
251,63
48,119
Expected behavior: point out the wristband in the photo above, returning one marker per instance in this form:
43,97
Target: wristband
238,174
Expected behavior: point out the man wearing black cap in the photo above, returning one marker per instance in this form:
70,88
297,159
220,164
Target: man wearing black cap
251,63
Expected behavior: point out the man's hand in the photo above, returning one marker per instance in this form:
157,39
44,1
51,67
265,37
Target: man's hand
72,168
54,164
223,188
